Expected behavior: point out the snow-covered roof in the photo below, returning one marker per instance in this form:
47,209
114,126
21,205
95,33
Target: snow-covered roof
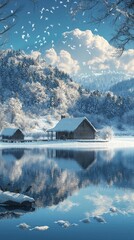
8,132
69,124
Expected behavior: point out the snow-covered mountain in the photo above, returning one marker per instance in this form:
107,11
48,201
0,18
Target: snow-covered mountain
34,95
37,85
124,88
30,87
102,81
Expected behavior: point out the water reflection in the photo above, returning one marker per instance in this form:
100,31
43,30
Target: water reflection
13,212
84,158
50,176
12,154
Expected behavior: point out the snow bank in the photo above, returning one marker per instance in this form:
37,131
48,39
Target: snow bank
13,199
121,142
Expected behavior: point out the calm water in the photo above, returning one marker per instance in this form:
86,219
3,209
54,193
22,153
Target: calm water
70,186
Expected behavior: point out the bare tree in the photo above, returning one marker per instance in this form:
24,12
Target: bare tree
119,12
8,16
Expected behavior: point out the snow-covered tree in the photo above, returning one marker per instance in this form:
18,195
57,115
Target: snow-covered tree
106,133
119,12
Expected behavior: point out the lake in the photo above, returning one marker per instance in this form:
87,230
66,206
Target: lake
79,194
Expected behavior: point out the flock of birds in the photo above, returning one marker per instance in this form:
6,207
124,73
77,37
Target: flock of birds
43,28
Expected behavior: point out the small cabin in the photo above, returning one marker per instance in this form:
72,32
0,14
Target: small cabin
72,128
12,134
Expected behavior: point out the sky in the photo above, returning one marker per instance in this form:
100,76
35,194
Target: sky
46,27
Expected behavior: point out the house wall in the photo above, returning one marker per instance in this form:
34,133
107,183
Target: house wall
84,131
18,135
64,135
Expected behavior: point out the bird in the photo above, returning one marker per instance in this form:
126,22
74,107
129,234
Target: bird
23,36
96,30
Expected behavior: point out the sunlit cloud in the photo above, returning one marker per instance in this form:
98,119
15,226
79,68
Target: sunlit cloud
94,52
63,61
84,51
35,54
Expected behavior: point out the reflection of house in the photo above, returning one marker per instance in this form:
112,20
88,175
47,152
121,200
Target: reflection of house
12,134
83,158
73,128
12,154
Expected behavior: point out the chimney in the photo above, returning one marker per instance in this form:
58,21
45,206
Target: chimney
63,116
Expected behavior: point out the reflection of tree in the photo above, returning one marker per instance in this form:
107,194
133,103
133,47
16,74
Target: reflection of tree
107,155
48,184
10,212
7,18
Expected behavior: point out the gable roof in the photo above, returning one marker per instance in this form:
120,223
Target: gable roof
8,132
69,124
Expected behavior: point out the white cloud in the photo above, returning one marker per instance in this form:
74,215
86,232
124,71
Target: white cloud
63,61
52,56
94,53
85,52
35,54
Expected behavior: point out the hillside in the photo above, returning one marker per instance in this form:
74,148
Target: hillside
124,88
34,95
31,88
103,81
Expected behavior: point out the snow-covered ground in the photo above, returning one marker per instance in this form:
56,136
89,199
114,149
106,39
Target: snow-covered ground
117,142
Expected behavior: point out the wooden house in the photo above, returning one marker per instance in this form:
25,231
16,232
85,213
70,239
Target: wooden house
72,128
12,134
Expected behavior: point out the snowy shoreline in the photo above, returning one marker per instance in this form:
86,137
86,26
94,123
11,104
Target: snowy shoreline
117,142
15,199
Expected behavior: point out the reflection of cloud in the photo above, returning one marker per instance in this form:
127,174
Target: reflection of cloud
23,226
106,204
16,172
65,206
99,219
65,224
127,200
39,228
102,204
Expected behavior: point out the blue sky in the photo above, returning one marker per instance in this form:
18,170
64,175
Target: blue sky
47,19
72,44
